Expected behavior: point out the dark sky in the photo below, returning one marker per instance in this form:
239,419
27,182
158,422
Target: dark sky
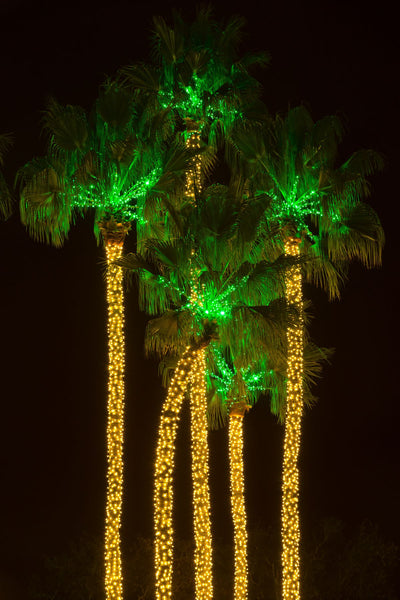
339,59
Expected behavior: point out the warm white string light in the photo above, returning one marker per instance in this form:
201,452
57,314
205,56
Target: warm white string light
201,495
163,489
238,503
294,409
115,423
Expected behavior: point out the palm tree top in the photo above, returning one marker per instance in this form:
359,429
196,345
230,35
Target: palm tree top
197,71
293,162
112,160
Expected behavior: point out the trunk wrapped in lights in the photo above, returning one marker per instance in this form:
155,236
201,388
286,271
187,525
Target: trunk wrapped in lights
163,492
201,494
114,235
294,409
198,411
237,499
193,175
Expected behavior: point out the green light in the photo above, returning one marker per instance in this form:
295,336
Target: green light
111,194
296,204
196,101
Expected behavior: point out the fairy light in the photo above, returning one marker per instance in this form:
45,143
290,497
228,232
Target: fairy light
297,204
294,407
201,495
237,502
163,490
115,423
193,175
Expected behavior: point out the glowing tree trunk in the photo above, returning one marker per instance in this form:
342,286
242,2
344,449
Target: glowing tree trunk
201,494
163,492
237,499
193,176
294,408
114,235
199,424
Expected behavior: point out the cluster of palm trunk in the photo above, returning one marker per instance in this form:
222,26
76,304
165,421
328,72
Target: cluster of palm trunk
219,267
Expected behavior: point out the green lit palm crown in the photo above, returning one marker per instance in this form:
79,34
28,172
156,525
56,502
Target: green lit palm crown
291,166
117,162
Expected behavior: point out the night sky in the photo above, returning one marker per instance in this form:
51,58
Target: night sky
337,59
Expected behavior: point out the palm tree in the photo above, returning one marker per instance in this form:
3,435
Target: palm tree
234,388
320,210
199,76
5,196
198,73
114,164
209,279
236,385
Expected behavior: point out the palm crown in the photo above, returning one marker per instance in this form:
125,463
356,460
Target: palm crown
109,162
212,275
291,165
198,74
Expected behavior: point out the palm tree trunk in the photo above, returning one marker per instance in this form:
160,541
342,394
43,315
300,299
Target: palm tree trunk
201,494
193,175
199,424
237,501
115,422
294,409
163,492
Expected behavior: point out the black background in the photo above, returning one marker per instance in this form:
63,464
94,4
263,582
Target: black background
336,58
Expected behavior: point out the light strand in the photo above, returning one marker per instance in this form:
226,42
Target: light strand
163,488
115,423
193,174
238,505
294,408
201,494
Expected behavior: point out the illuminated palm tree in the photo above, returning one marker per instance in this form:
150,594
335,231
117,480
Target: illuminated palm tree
208,280
319,207
236,385
5,195
113,164
234,388
199,76
198,73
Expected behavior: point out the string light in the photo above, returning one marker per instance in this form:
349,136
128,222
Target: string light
198,412
194,100
193,174
237,500
294,408
201,495
163,490
115,423
113,194
297,204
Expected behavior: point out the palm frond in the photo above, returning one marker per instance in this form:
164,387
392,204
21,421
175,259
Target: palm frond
115,106
359,236
6,199
142,77
66,125
169,41
168,333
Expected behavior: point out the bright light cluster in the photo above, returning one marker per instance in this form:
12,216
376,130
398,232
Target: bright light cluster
115,423
201,495
297,205
163,491
113,194
193,176
294,407
238,504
